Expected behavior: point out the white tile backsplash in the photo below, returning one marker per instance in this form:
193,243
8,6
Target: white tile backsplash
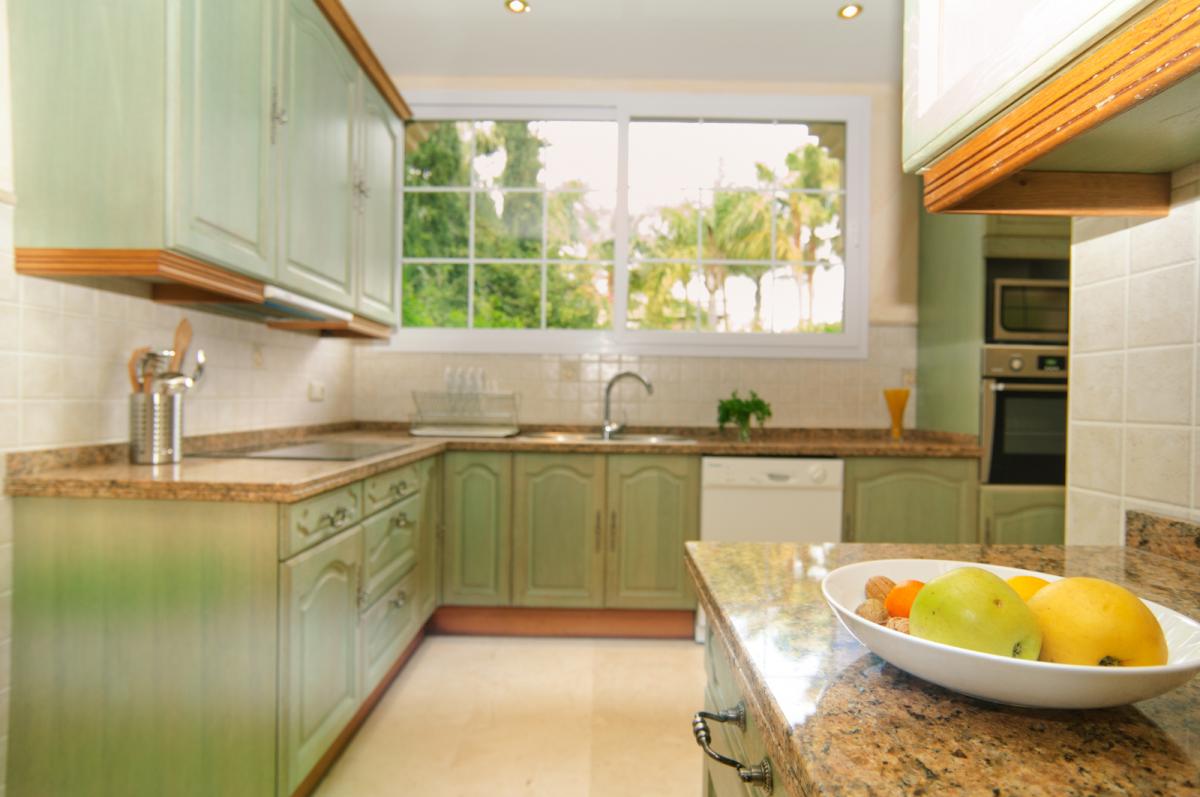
1134,434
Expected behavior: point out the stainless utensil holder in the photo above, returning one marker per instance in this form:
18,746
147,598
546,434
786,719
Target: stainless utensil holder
155,428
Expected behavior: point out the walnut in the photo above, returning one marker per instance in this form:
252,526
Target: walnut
878,587
872,609
898,624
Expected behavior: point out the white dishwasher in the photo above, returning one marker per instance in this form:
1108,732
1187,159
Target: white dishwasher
768,499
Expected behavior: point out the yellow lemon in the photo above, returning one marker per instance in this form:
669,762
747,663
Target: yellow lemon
1092,621
1025,586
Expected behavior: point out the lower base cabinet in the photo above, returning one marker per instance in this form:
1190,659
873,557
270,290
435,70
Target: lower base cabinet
1022,514
902,499
742,741
204,647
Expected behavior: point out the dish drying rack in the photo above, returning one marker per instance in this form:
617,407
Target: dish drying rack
464,414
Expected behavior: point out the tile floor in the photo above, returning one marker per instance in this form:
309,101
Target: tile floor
494,717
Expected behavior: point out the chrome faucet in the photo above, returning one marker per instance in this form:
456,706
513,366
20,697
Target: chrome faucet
609,429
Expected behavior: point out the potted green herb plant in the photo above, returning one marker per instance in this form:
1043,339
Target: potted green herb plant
740,411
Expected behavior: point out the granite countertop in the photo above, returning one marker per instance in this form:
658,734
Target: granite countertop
838,720
105,472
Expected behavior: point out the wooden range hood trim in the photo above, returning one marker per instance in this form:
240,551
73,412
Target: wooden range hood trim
178,279
352,37
1072,194
1150,55
159,264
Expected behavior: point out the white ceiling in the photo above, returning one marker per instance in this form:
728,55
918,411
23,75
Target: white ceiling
751,40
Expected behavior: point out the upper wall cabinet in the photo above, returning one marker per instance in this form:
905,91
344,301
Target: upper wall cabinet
1051,108
217,145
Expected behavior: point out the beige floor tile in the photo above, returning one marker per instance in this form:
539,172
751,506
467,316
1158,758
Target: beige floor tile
476,716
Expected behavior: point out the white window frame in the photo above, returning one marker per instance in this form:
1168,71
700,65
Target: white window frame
852,110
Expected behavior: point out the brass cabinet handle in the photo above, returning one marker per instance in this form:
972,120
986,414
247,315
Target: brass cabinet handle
399,601
612,532
361,592
335,519
599,543
759,775
401,521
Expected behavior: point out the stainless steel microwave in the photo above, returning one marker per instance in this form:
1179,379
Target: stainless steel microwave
1029,310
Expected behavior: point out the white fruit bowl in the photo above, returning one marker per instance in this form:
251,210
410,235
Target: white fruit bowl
997,678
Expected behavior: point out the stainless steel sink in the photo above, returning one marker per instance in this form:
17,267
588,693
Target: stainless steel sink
592,437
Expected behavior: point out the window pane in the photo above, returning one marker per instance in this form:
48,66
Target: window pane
810,227
807,299
436,153
737,225
578,155
735,298
508,295
508,224
578,296
665,231
579,225
507,154
435,225
435,295
659,296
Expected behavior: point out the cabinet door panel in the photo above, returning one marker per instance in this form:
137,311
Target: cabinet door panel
653,508
897,499
387,628
321,84
379,160
558,550
222,204
389,546
478,506
319,628
1019,515
429,559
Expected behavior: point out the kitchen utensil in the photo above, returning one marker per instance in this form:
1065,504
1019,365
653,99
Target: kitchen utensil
998,678
135,364
177,382
896,399
155,427
183,339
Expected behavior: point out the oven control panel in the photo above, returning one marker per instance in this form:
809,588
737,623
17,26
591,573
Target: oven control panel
1032,362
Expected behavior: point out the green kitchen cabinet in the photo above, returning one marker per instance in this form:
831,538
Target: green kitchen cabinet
318,202
377,193
224,167
558,530
653,507
319,686
478,540
429,555
1022,514
901,499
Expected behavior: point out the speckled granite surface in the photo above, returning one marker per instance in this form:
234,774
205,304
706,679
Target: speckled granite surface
1165,536
838,720
104,471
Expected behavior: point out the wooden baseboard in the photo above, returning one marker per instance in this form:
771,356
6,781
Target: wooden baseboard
519,621
309,784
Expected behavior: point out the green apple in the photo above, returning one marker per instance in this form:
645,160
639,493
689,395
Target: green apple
974,609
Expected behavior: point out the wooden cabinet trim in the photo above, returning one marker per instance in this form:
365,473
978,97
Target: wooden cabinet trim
356,43
1148,56
1073,194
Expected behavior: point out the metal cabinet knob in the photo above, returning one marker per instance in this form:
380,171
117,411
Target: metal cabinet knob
399,601
759,774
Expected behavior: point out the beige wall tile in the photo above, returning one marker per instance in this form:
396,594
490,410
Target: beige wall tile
1094,456
1159,385
1158,464
1161,307
1097,387
1094,519
1099,249
1097,313
1165,241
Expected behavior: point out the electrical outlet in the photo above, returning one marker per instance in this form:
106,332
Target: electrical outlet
909,377
256,356
316,391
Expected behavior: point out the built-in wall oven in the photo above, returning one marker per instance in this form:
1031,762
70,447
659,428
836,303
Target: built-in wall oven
1024,414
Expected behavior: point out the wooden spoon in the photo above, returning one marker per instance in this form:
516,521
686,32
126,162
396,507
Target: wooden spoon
138,354
183,339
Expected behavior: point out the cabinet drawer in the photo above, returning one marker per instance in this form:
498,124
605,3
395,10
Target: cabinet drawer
387,488
389,546
305,523
385,629
723,692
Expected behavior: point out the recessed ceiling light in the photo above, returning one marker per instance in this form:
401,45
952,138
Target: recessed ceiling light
848,11
517,6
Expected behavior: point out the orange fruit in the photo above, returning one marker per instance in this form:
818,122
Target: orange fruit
1026,586
900,600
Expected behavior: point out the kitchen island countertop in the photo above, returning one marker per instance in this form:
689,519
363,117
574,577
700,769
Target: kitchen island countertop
838,720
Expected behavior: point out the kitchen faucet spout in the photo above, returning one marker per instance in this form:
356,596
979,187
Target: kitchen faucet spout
609,429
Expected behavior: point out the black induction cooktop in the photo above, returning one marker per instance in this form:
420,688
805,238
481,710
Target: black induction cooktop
337,450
